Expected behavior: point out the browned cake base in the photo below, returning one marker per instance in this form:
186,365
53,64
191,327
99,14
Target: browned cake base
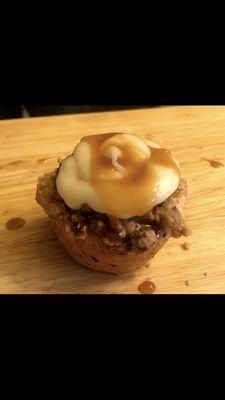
90,251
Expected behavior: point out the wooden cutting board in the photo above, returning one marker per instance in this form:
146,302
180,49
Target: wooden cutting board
31,258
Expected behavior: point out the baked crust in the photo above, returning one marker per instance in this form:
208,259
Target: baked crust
88,251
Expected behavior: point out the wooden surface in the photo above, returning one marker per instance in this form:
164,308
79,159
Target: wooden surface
31,258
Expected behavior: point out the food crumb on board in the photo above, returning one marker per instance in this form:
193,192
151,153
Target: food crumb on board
186,246
205,274
187,283
146,266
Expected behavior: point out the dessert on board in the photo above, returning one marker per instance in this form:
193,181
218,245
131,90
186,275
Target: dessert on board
115,201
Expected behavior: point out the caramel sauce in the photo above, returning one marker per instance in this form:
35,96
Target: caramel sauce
147,287
213,163
15,223
136,185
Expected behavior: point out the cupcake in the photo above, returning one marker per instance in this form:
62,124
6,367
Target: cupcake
115,201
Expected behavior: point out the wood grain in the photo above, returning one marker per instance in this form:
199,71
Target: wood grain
31,258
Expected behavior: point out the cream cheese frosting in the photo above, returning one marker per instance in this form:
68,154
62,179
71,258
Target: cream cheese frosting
118,174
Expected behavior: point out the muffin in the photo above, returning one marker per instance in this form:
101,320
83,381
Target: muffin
115,201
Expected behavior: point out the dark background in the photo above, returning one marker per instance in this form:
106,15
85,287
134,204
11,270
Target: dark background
8,112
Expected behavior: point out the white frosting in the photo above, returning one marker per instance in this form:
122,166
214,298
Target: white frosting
75,185
73,180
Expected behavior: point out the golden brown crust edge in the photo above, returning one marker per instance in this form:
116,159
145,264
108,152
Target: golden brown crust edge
88,252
